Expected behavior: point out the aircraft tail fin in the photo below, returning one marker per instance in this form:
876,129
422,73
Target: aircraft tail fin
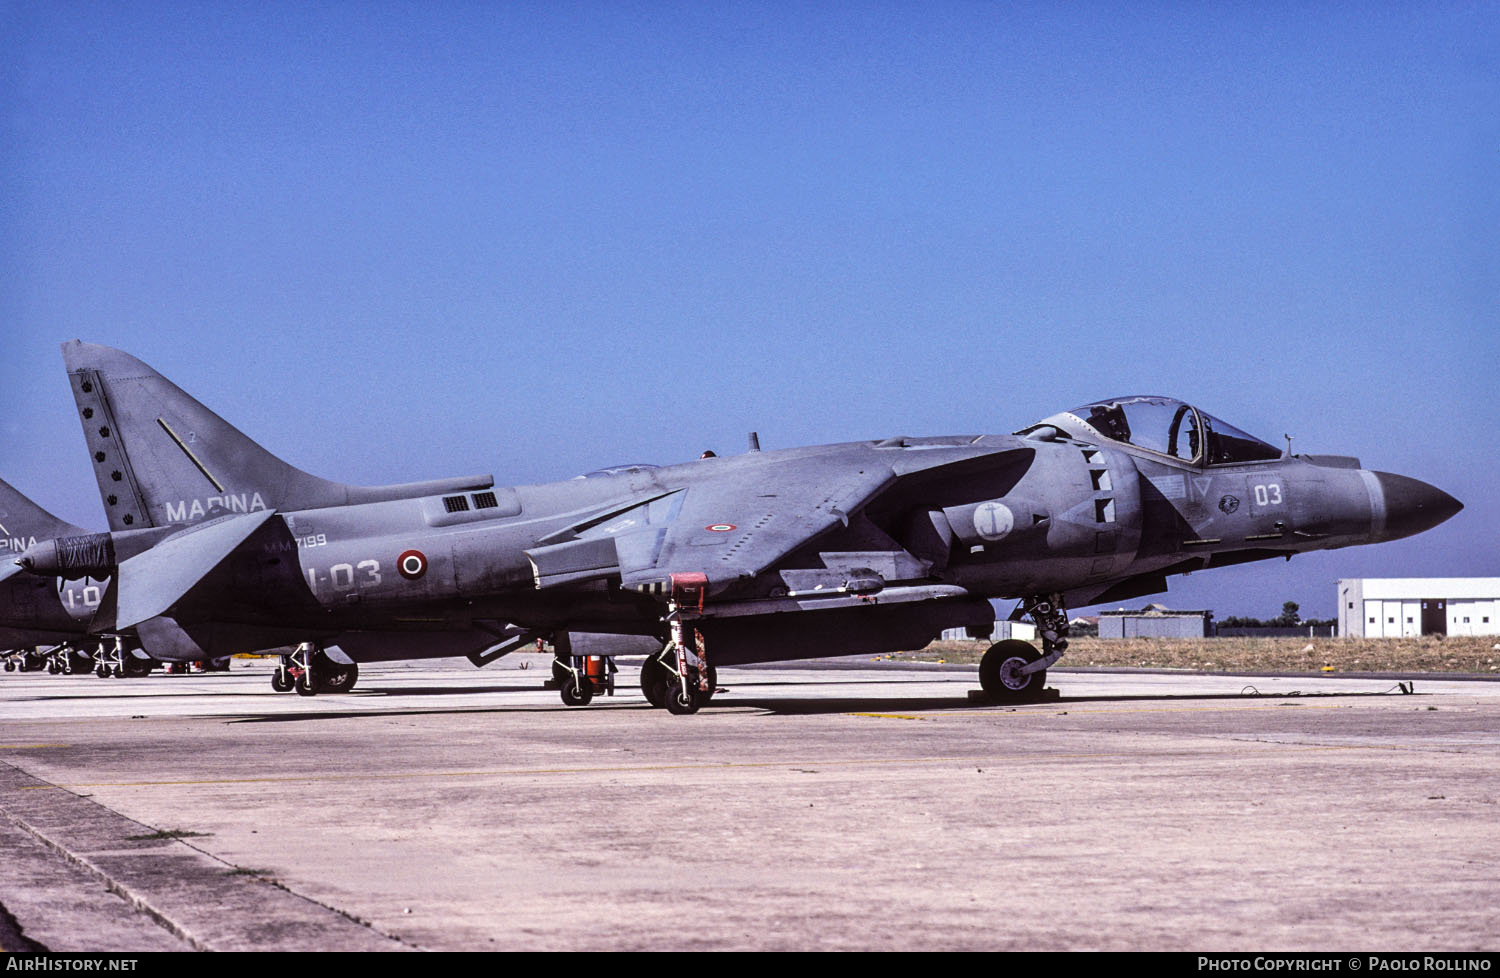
23,523
163,458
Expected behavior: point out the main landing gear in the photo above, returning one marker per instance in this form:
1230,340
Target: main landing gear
680,677
310,670
1013,671
111,658
660,681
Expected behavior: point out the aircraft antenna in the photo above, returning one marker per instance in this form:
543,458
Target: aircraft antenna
754,441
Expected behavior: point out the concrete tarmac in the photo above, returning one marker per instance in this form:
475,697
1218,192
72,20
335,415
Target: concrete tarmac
865,807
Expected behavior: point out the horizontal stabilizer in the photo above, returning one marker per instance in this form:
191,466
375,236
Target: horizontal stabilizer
154,580
168,641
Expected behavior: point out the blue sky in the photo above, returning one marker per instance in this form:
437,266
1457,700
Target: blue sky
396,241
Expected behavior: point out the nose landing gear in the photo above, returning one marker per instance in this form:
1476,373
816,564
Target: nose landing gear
1013,671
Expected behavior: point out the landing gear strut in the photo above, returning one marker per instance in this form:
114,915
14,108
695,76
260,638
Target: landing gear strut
580,677
1015,672
65,660
680,676
110,658
659,676
310,670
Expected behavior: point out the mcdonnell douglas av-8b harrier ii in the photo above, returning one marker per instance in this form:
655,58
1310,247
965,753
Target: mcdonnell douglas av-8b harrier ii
870,546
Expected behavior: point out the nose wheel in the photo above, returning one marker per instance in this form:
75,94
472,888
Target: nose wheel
1013,671
1002,675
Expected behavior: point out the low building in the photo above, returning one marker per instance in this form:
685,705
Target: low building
1154,621
1408,607
1004,629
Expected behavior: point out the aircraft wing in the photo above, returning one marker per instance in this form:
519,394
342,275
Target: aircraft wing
731,533
733,528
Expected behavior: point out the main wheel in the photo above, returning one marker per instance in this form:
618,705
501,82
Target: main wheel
281,681
574,694
655,679
304,687
1000,673
335,677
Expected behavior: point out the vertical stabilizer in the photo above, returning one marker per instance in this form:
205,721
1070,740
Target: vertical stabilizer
23,523
163,458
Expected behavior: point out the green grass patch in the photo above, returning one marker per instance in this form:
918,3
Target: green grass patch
1461,654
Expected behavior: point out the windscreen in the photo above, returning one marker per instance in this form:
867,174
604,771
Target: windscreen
1228,444
1175,429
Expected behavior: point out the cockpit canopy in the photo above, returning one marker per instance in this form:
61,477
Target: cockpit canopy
1165,426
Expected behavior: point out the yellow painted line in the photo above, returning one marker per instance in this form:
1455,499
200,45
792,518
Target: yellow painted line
1256,747
1052,711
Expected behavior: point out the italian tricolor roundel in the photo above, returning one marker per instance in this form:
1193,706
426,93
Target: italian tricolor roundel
412,564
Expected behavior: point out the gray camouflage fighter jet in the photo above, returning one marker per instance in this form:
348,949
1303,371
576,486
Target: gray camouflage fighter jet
866,547
48,623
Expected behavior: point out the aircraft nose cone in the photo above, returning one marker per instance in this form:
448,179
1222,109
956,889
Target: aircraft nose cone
1412,506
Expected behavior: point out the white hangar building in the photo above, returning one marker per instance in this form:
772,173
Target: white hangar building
1407,607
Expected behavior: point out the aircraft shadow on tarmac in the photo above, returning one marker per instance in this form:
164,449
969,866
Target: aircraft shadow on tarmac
947,704
804,706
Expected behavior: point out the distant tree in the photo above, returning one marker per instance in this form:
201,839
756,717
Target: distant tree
1289,616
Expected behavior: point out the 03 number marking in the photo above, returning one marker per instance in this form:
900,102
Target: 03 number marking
346,577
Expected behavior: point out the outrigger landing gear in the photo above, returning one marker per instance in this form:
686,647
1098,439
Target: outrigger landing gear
1013,671
65,660
310,670
580,677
